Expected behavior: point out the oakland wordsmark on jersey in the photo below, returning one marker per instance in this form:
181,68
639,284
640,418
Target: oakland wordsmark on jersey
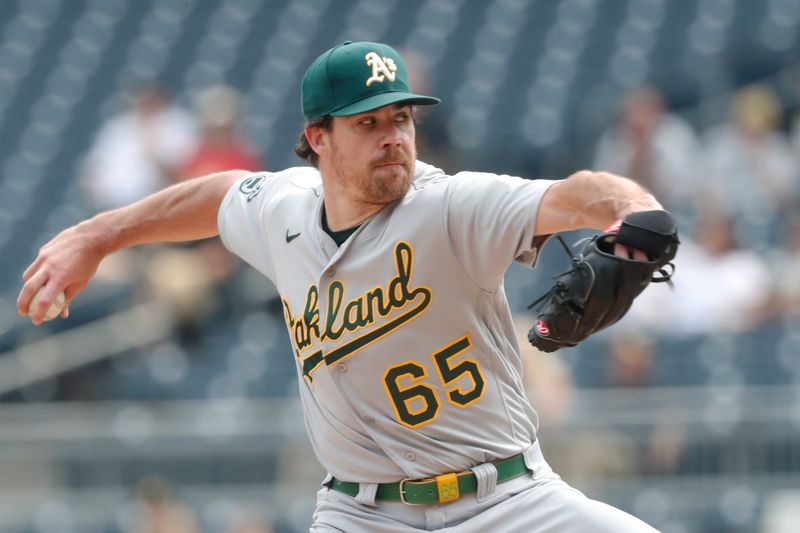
358,313
402,335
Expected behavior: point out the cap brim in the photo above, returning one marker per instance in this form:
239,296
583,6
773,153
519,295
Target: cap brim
380,100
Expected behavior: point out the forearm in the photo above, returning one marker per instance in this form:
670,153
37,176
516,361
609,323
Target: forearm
183,212
601,198
186,211
589,199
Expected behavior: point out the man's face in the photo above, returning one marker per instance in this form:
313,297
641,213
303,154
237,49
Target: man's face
371,156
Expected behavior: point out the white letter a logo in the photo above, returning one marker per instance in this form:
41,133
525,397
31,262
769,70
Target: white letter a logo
382,67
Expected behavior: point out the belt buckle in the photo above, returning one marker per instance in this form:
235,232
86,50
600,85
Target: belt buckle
447,490
403,492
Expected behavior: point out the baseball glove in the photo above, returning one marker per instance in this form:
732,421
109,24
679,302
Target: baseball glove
600,287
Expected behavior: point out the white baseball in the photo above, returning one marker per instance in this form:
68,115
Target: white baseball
55,308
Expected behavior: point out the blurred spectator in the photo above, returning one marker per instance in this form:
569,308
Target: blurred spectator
751,169
652,146
784,263
433,140
591,453
140,150
546,378
630,361
666,446
718,286
630,365
160,512
189,277
219,109
252,524
181,278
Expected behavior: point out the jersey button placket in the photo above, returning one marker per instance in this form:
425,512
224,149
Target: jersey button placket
342,368
410,456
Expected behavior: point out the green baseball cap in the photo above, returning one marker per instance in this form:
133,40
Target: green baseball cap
354,78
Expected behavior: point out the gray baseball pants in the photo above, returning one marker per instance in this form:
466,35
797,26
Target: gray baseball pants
538,502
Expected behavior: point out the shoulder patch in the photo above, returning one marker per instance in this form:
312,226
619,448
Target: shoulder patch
252,186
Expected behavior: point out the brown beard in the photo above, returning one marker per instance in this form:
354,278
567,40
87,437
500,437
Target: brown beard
380,190
390,189
384,190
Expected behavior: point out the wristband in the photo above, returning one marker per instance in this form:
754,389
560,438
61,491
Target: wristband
614,228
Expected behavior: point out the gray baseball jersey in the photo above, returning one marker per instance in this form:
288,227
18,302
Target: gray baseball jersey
403,340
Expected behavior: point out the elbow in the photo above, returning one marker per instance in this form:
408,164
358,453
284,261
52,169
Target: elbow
593,178
588,183
600,181
582,175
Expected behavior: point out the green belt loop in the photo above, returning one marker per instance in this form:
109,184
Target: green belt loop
426,492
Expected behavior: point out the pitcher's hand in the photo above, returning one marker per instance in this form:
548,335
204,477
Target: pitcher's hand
66,263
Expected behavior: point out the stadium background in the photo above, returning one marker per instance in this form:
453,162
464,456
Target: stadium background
702,438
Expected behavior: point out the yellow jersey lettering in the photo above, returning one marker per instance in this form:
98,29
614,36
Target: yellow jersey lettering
347,316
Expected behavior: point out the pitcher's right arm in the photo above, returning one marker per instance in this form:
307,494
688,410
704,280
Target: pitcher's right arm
183,212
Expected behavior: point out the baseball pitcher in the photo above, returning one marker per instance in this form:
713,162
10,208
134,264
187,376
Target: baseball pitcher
390,274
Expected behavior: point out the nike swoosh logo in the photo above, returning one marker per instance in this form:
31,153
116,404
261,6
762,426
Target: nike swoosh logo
290,238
